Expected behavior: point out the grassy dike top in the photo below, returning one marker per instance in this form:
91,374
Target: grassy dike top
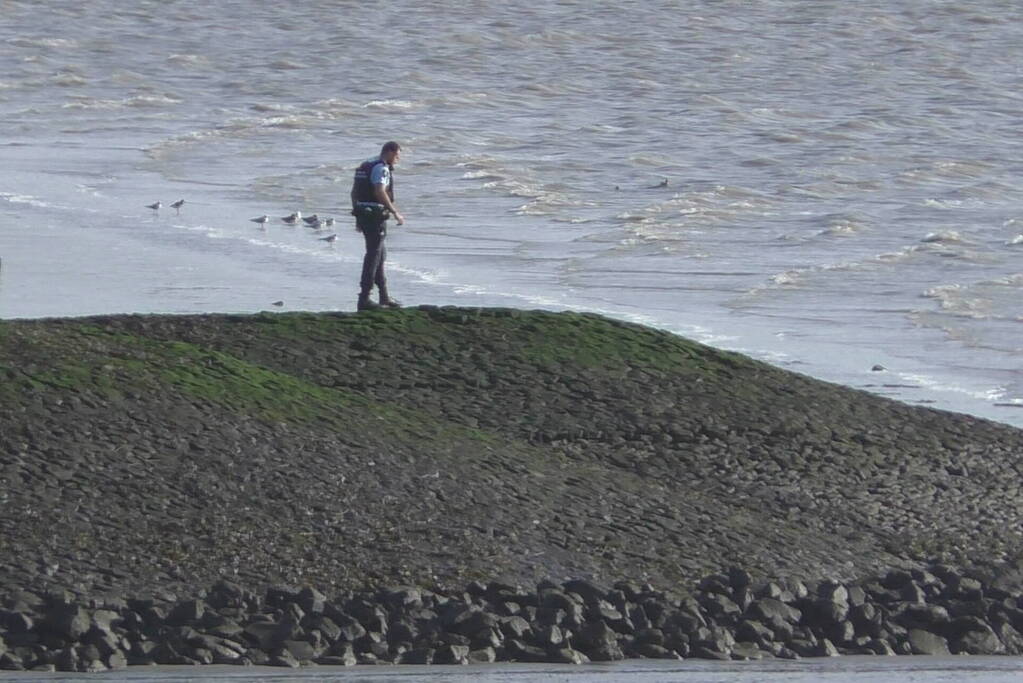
439,445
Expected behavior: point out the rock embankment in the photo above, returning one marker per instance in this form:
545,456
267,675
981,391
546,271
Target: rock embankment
437,447
726,616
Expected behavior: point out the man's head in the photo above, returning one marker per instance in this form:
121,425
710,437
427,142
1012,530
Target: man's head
390,152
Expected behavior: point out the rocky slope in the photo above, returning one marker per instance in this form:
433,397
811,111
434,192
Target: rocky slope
145,454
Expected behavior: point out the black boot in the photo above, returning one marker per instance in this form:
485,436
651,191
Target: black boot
365,303
386,300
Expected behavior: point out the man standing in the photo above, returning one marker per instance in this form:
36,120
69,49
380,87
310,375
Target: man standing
372,203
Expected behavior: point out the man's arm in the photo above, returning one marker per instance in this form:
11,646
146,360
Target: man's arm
380,192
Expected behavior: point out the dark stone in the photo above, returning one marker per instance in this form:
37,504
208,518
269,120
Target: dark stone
720,606
808,648
453,639
370,642
746,651
324,625
826,613
867,619
301,650
311,600
68,621
964,588
773,613
739,578
932,618
972,636
588,591
926,643
399,631
452,654
186,613
262,634
601,609
283,658
164,653
566,655
521,652
342,651
843,633
549,636
515,627
653,651
705,652
754,632
1011,639
402,597
226,594
599,642
895,579
423,655
879,647
486,655
16,622
857,596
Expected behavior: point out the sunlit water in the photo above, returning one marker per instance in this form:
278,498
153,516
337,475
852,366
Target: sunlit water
843,179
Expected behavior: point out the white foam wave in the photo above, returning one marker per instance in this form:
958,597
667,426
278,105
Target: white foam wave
481,175
928,382
1018,239
944,237
944,203
68,80
789,277
840,231
189,60
137,102
401,105
43,42
955,299
24,199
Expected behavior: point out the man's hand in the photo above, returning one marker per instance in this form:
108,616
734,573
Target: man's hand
399,218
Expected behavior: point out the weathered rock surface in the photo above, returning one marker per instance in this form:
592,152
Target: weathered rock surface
305,456
469,626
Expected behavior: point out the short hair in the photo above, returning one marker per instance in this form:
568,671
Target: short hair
391,146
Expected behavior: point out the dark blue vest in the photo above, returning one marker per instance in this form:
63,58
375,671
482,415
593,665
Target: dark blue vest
364,188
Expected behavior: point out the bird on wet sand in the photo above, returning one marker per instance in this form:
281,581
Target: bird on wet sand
310,220
292,219
177,205
261,220
329,239
154,206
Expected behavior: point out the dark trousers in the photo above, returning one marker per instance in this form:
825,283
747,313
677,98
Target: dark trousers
376,253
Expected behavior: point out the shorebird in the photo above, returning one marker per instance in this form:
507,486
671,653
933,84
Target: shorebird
329,223
315,225
261,220
292,219
154,207
177,205
309,220
329,238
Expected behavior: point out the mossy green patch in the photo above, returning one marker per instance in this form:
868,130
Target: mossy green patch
89,358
